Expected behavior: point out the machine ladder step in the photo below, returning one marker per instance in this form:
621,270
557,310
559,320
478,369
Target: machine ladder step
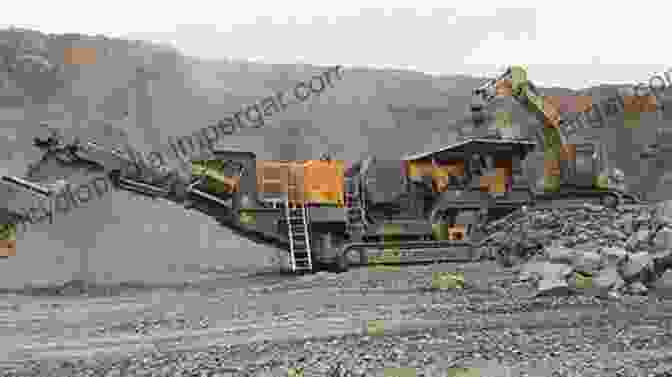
299,242
355,215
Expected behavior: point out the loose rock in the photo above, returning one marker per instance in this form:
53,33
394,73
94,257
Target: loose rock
617,247
637,288
613,255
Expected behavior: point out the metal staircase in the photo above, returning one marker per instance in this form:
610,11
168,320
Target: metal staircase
355,215
299,240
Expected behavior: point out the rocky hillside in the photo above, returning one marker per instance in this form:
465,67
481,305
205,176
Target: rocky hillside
131,238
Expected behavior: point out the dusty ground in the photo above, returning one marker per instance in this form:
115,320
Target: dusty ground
268,323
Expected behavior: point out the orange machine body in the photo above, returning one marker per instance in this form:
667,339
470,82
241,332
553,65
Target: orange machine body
302,182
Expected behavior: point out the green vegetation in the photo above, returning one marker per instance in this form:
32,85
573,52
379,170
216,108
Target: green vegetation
375,328
463,372
295,372
447,280
8,232
400,372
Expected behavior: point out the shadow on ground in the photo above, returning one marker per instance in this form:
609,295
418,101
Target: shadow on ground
211,282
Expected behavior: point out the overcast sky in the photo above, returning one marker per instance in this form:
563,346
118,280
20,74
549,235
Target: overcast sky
564,43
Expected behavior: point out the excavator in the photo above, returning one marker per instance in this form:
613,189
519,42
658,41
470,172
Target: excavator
572,171
426,206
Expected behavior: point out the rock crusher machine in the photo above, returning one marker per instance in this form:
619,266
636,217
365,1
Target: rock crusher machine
422,208
425,207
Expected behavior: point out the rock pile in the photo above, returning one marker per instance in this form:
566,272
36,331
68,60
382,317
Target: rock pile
587,248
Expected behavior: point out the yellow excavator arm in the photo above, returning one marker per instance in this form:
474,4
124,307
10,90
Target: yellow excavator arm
513,82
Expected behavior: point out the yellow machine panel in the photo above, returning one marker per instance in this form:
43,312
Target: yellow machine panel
323,182
504,174
440,174
419,168
303,182
422,168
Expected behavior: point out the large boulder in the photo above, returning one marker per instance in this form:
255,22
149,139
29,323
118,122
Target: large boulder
554,271
663,286
588,262
581,260
663,239
607,279
531,271
637,288
664,211
638,239
637,267
560,254
553,287
613,255
662,261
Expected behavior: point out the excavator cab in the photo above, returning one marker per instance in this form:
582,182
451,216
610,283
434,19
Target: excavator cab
582,173
586,165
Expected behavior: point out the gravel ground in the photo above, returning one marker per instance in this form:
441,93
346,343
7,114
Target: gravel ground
491,325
